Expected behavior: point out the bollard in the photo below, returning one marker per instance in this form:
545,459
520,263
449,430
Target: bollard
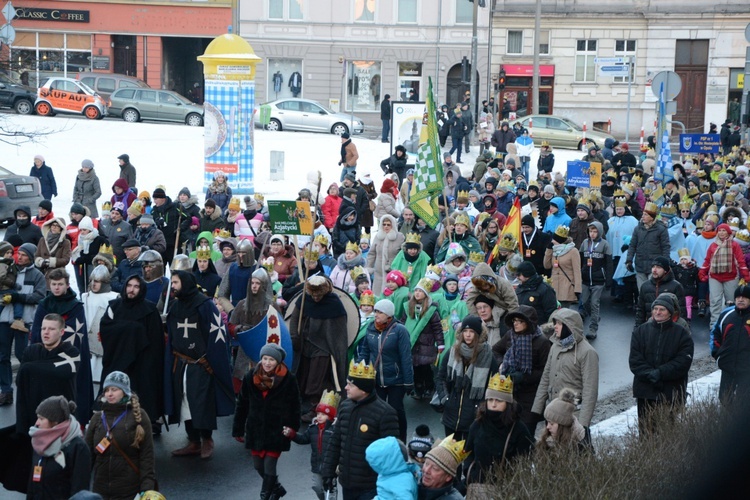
583,141
641,140
277,165
609,126
531,128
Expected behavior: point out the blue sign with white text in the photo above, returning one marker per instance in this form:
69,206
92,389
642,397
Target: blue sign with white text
578,174
700,143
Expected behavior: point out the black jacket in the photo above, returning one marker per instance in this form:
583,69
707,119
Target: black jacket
486,442
730,342
534,251
58,482
501,138
312,435
359,424
385,109
688,278
428,237
165,218
539,295
458,128
667,347
600,270
646,244
30,233
651,289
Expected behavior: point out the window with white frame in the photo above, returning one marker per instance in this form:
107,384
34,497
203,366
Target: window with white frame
407,11
364,11
585,67
515,42
285,9
625,48
544,42
464,12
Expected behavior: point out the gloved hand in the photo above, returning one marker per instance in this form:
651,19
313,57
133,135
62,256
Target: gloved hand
536,417
629,266
329,484
653,376
239,439
13,297
6,299
517,377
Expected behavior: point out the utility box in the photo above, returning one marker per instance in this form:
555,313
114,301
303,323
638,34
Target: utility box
277,165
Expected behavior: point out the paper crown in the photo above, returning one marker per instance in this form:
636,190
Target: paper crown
628,188
203,253
413,238
651,207
712,210
638,179
701,174
462,197
668,210
361,370
311,254
434,272
322,240
743,235
684,205
462,218
685,253
545,144
425,284
222,233
455,448
475,258
268,264
734,223
105,249
619,193
235,202
693,192
730,196
106,206
357,272
621,202
647,191
259,197
353,246
713,219
562,231
367,298
507,243
507,185
699,224
330,399
501,384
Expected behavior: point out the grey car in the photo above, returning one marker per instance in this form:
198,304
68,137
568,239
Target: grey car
134,105
16,191
561,132
311,116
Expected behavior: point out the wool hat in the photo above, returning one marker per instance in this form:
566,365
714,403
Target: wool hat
146,219
77,208
144,194
46,204
4,247
119,380
124,157
386,307
87,164
561,409
56,409
448,278
742,291
483,299
549,188
274,350
472,321
328,404
446,155
444,455
39,157
664,302
210,203
421,442
132,242
348,192
528,220
29,249
159,193
526,269
184,191
397,277
345,135
662,262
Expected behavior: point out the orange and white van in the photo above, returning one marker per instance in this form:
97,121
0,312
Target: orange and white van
66,95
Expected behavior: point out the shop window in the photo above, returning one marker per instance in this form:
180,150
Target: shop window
363,86
409,78
284,78
544,42
464,12
625,48
78,42
35,57
364,10
585,67
515,42
285,9
407,11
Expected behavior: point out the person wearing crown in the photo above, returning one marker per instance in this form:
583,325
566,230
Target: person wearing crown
456,263
411,260
462,235
343,275
621,224
426,335
650,240
366,316
498,435
321,243
363,418
203,270
311,266
440,469
563,259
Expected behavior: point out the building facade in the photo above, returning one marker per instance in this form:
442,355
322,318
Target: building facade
704,43
347,54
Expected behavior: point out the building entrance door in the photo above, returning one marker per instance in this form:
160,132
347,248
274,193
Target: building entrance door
691,63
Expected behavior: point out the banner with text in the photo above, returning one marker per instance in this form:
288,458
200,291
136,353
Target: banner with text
290,217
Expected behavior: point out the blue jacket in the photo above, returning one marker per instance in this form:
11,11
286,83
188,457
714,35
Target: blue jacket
390,352
125,269
505,203
558,219
46,179
396,477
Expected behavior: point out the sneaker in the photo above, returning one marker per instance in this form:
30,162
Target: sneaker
701,309
19,325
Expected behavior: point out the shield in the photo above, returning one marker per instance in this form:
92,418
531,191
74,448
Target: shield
687,142
270,330
352,312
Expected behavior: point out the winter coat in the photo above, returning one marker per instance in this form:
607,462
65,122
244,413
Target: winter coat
738,265
390,352
396,476
30,233
126,198
384,248
534,250
486,442
125,269
152,238
447,492
165,218
117,235
539,295
524,388
31,287
687,277
467,241
646,244
368,194
575,366
600,256
566,273
579,229
428,237
58,255
505,297
560,218
386,205
330,209
607,152
458,128
87,191
262,415
344,232
46,179
546,163
395,164
651,289
623,161
221,194
359,424
186,212
316,434
425,350
730,342
127,172
340,275
501,138
113,477
524,146
211,222
58,482
285,263
667,347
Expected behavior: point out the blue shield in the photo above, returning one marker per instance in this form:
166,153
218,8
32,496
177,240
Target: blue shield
271,330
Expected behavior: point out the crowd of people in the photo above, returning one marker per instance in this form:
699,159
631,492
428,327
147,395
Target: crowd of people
495,330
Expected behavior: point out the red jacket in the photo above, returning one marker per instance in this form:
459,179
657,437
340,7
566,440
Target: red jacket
738,261
40,222
330,209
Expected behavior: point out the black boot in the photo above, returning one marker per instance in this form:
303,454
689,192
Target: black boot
277,491
268,484
701,308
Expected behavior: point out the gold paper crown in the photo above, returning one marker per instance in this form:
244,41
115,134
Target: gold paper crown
455,448
413,238
357,272
330,398
223,233
268,264
462,218
106,206
647,191
701,174
500,383
693,191
353,246
730,196
462,197
367,298
322,240
104,248
259,197
203,253
628,188
713,219
668,210
361,370
475,258
507,243
638,179
235,202
684,252
651,207
619,193
562,231
712,210
545,144
507,185
435,269
699,224
684,205
311,254
425,284
743,235
734,223
483,216
621,202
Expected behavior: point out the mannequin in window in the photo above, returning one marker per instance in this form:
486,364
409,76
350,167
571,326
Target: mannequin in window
295,83
278,80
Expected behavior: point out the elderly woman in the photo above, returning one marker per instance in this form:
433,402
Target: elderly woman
385,246
87,189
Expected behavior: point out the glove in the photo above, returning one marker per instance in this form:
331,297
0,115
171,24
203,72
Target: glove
13,297
328,483
239,439
653,376
536,417
629,266
517,377
6,299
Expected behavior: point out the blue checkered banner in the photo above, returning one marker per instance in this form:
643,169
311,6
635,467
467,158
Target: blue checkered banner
228,133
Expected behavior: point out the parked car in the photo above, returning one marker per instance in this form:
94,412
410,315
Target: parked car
17,190
65,95
307,115
561,132
134,105
106,83
16,96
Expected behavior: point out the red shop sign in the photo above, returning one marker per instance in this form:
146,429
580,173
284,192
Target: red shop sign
528,69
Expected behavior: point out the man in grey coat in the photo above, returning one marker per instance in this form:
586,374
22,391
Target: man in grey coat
468,119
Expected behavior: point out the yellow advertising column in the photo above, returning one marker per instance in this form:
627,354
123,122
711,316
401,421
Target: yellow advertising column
229,70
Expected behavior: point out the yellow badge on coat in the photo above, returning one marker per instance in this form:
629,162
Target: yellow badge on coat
363,428
531,299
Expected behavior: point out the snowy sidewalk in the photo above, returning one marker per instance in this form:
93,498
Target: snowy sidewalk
701,389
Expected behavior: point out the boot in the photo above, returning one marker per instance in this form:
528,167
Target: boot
6,398
191,449
207,448
265,490
277,491
701,308
19,325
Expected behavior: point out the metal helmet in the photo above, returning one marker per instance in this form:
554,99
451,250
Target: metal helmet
155,269
245,253
180,262
152,495
151,256
100,274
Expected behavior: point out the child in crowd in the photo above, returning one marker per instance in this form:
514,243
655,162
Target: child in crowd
366,316
362,282
397,292
411,260
364,245
421,443
396,476
596,271
451,307
686,272
8,275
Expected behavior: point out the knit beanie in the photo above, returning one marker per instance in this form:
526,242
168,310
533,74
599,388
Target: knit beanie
77,208
274,350
561,409
386,307
29,249
421,442
119,380
444,459
528,220
526,269
484,299
159,193
56,409
473,322
664,302
662,262
184,191
46,204
742,291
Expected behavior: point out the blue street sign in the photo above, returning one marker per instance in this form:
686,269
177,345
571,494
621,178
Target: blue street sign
700,143
615,70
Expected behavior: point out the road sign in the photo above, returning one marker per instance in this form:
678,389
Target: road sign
9,12
7,34
699,143
610,60
672,84
614,70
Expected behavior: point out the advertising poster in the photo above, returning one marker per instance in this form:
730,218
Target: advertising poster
290,217
584,174
407,120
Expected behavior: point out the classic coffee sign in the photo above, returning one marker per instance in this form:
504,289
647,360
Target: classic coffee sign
67,16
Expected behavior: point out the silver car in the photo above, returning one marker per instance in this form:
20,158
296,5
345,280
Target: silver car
134,105
311,116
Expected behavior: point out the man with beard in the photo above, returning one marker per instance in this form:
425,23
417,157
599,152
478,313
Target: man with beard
233,286
133,342
320,341
205,272
157,286
311,266
249,312
62,300
28,232
165,216
198,379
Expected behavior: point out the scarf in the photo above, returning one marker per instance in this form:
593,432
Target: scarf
343,150
457,270
86,176
50,442
85,240
478,371
52,240
347,265
560,250
266,381
518,357
567,342
723,259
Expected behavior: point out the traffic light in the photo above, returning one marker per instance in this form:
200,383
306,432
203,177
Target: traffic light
465,70
501,80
